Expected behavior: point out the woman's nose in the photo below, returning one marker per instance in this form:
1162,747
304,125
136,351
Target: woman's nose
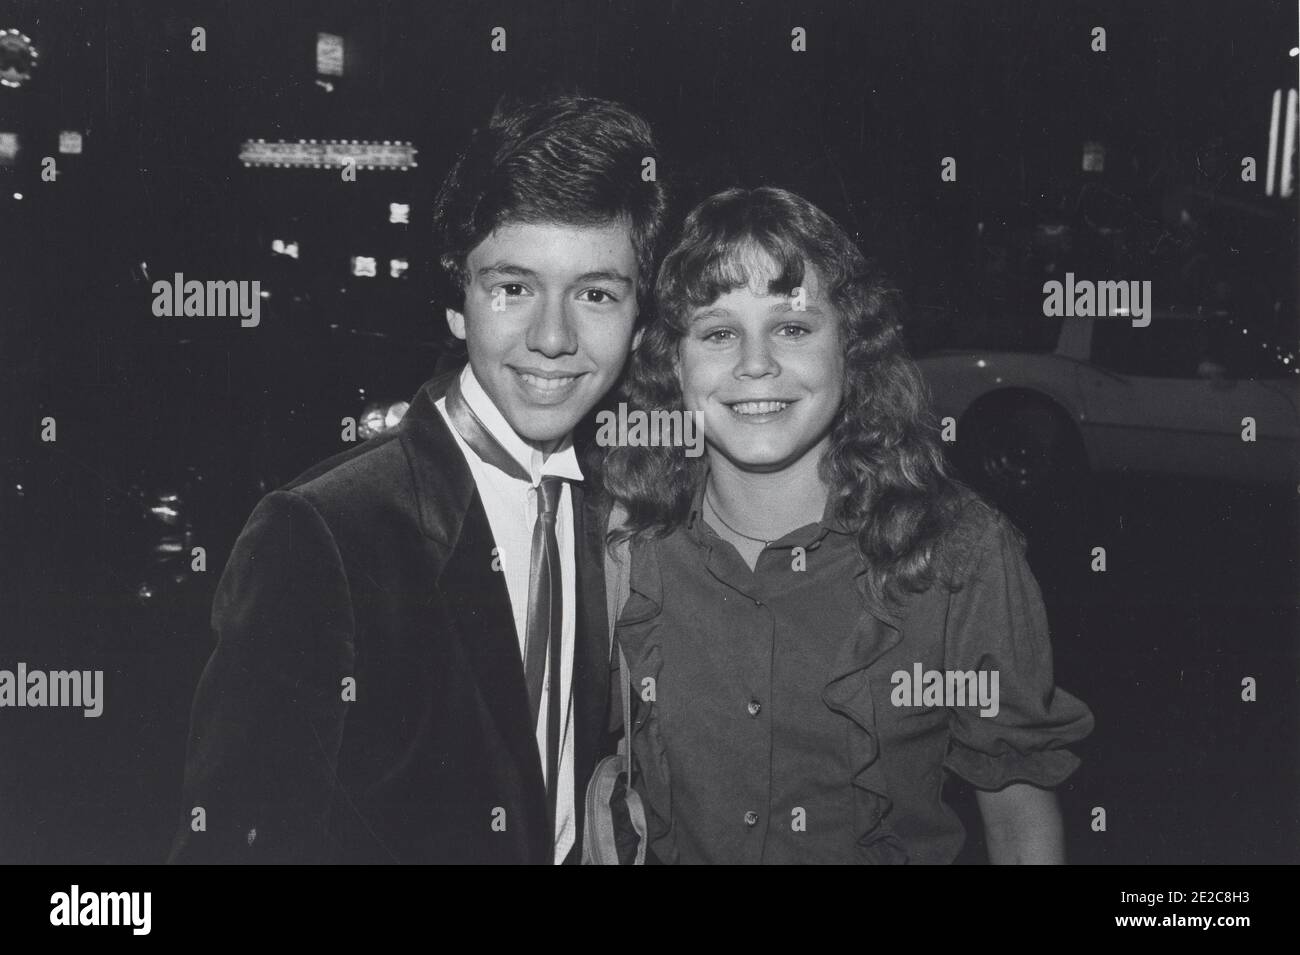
756,359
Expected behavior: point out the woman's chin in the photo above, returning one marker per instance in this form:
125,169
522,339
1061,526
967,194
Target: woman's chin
759,459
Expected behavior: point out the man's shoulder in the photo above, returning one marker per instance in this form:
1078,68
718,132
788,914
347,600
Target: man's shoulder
417,459
375,465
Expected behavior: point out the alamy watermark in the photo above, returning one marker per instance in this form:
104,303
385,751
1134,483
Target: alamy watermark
178,298
649,429
946,688
1085,298
75,907
38,688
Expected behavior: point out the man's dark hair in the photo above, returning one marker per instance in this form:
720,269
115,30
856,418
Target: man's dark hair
570,159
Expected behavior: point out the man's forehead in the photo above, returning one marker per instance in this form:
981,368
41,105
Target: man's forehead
557,240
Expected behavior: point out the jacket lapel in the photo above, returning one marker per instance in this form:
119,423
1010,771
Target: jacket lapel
452,516
480,603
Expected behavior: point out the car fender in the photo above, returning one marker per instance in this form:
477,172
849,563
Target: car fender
957,381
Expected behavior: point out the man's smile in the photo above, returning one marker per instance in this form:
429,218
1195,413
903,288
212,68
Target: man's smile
546,387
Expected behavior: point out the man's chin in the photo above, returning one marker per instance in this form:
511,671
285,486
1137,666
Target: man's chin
542,430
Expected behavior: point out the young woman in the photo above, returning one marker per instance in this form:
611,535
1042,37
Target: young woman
822,623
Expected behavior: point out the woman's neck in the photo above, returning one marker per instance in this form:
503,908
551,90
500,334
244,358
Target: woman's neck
767,504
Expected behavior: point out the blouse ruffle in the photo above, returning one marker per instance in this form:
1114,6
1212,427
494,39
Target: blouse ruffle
645,661
849,693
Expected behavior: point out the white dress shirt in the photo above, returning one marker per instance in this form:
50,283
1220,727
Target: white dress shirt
511,506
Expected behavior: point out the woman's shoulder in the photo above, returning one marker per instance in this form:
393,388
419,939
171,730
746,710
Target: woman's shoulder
976,526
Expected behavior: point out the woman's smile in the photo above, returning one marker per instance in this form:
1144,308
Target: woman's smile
759,411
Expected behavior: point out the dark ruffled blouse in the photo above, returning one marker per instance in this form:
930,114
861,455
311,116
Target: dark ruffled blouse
771,723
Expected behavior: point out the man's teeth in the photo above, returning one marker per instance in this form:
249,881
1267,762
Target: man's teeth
548,384
759,407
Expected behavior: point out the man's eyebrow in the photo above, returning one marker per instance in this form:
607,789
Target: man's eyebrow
604,275
509,269
506,268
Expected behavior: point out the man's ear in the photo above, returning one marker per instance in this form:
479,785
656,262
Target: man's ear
456,322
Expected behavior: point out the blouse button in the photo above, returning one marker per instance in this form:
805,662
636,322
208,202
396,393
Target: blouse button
754,707
751,819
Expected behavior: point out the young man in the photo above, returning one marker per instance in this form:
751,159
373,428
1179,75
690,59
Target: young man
413,652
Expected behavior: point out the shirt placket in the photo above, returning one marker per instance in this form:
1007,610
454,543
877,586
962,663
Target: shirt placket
754,815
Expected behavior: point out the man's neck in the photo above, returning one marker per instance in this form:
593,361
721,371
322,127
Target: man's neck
768,504
499,426
546,447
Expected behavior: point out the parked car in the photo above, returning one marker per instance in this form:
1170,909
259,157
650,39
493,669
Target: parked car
1167,398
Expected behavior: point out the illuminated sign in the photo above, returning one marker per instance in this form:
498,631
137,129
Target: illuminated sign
329,54
1094,157
1283,127
70,142
280,247
328,154
399,212
17,58
397,267
363,265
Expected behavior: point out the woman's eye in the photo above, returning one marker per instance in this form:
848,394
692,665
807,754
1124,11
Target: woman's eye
718,335
597,296
512,288
793,331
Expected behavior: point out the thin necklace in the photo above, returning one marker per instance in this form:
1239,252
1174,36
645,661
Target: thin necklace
708,499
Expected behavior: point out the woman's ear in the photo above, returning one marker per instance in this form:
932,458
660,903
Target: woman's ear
636,338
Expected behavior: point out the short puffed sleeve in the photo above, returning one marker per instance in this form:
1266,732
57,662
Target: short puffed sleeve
997,627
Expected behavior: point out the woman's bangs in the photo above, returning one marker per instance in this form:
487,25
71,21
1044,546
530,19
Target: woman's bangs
765,263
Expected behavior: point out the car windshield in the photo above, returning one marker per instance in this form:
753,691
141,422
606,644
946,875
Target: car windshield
935,329
1189,346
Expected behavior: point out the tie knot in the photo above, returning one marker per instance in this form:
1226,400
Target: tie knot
548,497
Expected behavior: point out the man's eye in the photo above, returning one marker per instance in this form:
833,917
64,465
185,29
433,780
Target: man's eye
512,288
597,296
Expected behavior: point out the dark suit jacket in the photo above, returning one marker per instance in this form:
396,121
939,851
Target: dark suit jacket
376,565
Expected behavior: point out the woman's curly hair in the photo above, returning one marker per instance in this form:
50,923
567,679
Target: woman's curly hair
884,466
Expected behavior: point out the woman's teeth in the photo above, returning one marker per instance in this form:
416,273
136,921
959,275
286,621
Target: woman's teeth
759,407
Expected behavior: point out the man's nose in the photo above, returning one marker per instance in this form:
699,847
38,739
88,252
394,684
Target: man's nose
551,332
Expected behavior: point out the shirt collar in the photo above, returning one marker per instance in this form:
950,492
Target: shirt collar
696,525
563,461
